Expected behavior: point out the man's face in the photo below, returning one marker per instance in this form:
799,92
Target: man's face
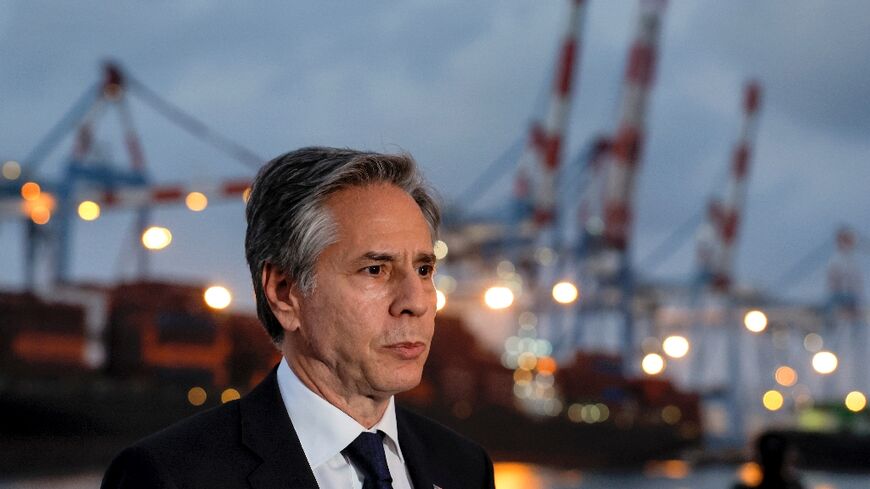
371,315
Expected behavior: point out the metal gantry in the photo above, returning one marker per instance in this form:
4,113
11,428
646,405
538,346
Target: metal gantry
49,206
570,221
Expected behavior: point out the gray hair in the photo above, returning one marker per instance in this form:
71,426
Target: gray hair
288,223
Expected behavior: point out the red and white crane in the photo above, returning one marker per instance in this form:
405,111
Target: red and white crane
735,196
628,140
546,139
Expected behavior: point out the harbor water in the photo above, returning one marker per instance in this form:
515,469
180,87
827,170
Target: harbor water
523,476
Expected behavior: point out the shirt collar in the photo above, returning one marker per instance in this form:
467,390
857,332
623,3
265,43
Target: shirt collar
323,429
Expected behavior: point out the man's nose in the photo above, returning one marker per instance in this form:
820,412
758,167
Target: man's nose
413,294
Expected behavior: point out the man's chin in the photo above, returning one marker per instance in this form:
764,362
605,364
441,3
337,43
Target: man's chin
401,382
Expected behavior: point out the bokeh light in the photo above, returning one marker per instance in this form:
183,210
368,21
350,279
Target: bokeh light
30,191
11,170
671,414
785,376
772,400
813,342
856,401
547,365
39,209
522,376
668,469
653,364
590,413
229,395
545,256
217,297
750,474
575,412
89,210
676,346
755,321
513,475
40,214
440,249
825,362
565,292
196,201
445,283
527,360
156,238
498,297
440,300
196,396
505,268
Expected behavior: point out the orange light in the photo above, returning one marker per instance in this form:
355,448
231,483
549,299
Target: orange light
522,376
750,474
30,191
40,214
546,365
669,469
229,395
196,201
785,376
513,475
196,396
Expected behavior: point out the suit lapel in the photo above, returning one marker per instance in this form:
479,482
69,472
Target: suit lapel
413,450
268,432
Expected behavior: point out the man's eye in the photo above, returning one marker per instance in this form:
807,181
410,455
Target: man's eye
425,270
374,269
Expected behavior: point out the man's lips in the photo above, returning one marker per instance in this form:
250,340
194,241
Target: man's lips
407,350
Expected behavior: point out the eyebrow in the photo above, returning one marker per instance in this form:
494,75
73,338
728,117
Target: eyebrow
427,258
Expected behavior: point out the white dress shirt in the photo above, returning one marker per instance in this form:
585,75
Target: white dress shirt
324,431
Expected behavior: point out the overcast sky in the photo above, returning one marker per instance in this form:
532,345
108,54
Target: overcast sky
456,83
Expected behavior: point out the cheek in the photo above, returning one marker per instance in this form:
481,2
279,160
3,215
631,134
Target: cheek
348,326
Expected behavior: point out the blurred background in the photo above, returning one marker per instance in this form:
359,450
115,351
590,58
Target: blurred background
655,233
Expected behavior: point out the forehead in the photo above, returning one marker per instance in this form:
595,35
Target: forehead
378,215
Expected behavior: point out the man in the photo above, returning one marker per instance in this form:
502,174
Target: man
339,243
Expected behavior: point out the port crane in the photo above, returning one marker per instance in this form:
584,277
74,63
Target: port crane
568,226
91,184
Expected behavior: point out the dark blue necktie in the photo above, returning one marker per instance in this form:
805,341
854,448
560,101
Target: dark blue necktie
367,454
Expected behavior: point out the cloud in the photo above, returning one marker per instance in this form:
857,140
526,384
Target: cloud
457,82
810,56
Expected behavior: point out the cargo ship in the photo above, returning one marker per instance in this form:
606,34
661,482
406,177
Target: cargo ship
84,371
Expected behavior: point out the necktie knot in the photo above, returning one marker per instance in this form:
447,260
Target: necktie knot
367,454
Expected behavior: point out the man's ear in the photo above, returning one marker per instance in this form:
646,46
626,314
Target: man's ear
282,296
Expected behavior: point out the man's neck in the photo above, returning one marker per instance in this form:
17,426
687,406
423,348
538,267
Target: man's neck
317,377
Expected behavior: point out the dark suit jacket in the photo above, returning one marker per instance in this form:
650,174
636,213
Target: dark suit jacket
251,443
